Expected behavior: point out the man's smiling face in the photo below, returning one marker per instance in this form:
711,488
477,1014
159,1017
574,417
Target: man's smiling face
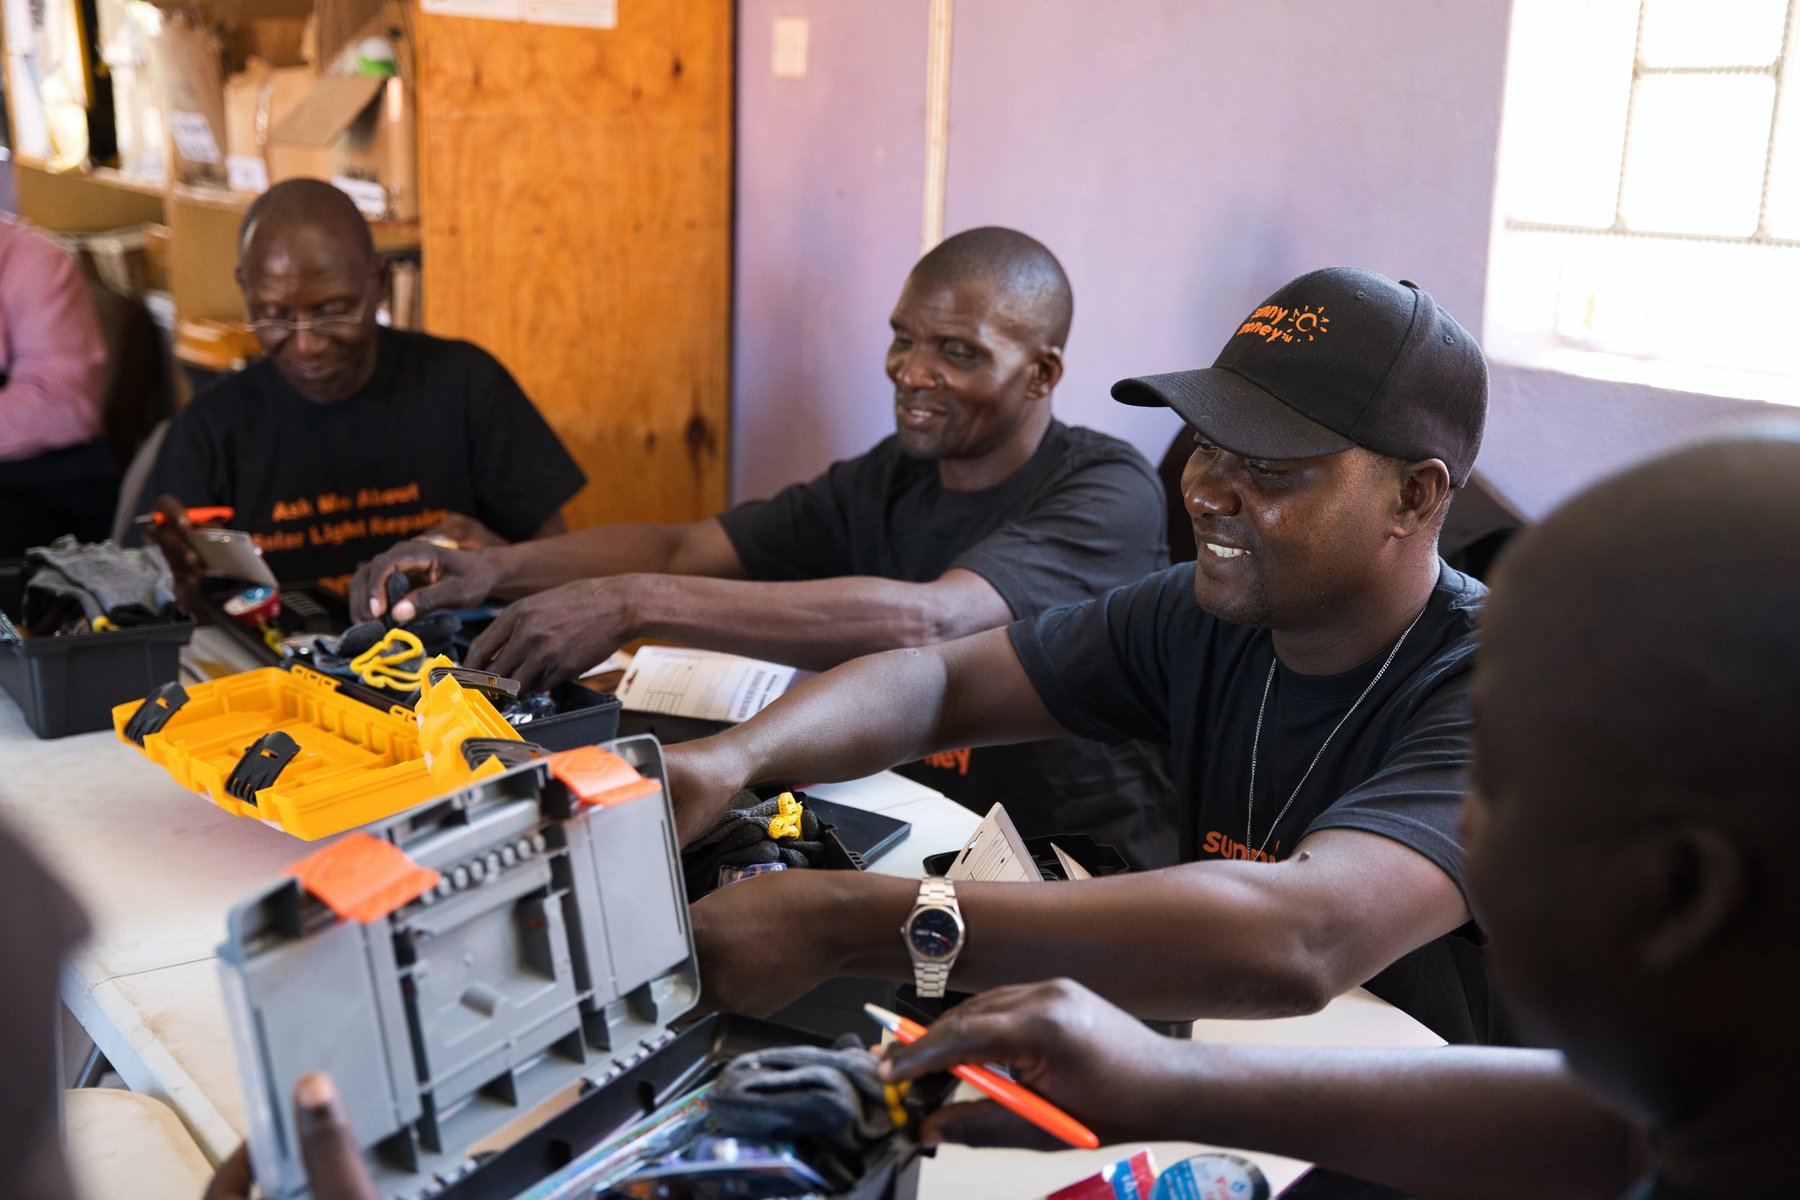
1284,542
962,371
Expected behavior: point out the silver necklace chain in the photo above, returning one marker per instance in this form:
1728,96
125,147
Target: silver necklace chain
1256,742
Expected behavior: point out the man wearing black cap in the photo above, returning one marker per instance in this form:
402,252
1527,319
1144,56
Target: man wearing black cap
1309,672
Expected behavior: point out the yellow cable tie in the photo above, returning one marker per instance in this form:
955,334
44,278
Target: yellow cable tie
386,663
786,821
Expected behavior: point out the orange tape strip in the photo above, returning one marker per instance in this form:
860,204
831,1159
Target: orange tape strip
360,877
599,776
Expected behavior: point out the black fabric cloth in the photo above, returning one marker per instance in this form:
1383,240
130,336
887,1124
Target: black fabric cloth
1146,662
1082,516
440,428
741,838
39,924
791,1092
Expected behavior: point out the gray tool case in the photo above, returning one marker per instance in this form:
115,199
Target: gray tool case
486,1033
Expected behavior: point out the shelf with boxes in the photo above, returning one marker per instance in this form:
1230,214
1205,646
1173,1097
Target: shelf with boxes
190,111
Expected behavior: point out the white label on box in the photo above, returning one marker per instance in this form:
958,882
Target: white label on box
247,173
370,197
491,10
194,139
588,14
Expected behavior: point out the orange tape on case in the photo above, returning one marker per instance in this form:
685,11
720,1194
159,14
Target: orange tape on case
599,776
363,878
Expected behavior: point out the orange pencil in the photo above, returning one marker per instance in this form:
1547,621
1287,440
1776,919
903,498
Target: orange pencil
1009,1095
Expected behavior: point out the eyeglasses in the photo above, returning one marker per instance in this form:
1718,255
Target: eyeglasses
271,329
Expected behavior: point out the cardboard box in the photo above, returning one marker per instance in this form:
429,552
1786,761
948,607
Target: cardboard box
142,130
358,132
257,100
279,41
187,60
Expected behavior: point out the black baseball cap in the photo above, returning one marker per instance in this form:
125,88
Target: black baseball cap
1338,358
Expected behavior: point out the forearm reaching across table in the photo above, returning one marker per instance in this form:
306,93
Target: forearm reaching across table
1209,939
865,716
1460,1123
449,578
818,623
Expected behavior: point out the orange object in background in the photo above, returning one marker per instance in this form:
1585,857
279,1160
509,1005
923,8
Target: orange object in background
214,345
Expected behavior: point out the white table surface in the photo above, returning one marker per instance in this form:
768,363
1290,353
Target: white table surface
158,867
129,1146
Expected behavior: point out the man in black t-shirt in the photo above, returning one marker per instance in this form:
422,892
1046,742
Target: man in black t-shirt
349,437
1631,842
979,510
1309,672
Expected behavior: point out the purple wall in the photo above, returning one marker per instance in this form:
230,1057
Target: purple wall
1182,158
829,193
1185,160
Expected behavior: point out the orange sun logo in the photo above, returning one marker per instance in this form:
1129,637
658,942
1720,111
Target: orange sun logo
1311,322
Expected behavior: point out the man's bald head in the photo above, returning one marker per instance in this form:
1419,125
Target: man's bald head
1024,276
306,266
310,204
1656,620
1637,750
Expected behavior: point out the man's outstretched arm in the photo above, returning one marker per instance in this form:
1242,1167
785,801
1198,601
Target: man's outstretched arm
1205,939
444,577
1208,939
865,716
816,623
1461,1123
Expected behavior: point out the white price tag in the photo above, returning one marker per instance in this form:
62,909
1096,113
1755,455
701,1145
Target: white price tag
586,14
370,197
247,173
194,139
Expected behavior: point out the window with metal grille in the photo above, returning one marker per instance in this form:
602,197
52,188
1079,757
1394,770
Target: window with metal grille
1648,196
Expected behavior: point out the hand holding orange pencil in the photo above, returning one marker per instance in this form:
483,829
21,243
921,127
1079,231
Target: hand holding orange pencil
1018,1100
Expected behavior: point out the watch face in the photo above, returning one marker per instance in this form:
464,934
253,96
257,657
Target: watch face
934,933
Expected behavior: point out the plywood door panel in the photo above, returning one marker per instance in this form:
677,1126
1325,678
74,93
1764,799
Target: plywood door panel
575,197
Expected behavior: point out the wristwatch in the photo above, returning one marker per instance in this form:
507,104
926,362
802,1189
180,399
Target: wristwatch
934,935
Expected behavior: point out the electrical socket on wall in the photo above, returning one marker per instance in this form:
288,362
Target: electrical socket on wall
790,47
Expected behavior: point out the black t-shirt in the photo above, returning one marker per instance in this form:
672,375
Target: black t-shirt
441,428
1146,662
1082,516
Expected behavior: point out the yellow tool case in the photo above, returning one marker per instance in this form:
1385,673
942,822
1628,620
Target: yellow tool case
293,749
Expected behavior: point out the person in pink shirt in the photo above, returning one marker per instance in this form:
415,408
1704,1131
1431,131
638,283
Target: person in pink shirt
56,476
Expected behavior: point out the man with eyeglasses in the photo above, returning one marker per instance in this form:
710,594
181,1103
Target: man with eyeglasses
348,437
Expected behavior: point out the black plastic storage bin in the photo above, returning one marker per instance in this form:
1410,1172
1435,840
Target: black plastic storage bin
70,684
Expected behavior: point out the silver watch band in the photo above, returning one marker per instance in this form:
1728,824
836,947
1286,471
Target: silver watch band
934,889
931,979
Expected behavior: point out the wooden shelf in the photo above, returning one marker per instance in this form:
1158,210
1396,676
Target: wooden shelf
103,177
84,201
210,197
115,178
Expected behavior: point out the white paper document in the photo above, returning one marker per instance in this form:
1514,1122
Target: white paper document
994,853
701,683
1071,869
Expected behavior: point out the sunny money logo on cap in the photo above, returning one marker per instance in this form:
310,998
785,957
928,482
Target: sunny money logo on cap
1274,323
